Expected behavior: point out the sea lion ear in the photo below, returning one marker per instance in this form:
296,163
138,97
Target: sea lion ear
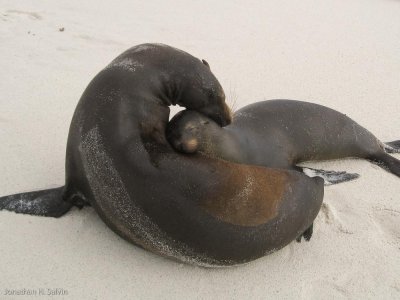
206,63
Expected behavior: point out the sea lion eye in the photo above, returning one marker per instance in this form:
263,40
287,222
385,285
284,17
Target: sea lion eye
189,127
205,122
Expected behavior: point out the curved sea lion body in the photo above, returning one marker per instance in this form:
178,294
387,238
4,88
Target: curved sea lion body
280,134
195,209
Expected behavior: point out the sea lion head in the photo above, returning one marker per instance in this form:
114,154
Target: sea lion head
188,131
203,93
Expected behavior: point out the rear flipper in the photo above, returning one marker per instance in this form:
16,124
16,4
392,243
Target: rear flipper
387,162
392,147
330,177
49,203
306,234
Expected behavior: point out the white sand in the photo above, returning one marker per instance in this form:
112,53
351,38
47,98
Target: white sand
343,54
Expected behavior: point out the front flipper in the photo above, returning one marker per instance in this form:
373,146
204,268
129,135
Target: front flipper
306,234
330,177
49,203
392,147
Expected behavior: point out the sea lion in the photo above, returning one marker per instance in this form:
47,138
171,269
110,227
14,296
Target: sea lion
195,209
281,134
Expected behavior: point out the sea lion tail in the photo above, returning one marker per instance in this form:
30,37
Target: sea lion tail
387,162
392,147
49,203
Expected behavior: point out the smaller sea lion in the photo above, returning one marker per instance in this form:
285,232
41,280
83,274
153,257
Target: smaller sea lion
281,134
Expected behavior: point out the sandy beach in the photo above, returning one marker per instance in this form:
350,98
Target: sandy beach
341,54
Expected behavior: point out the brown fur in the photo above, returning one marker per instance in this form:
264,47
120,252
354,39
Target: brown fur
251,199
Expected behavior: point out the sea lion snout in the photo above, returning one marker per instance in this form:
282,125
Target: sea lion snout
226,119
185,146
190,146
225,116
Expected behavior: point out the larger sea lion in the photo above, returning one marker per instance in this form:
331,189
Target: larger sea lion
195,209
280,134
